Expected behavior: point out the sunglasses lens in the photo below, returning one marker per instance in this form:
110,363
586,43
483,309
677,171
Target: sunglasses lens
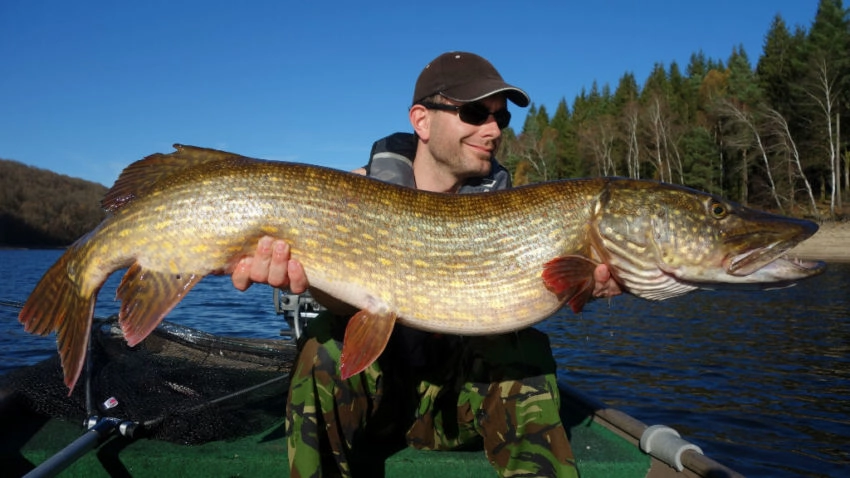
503,118
473,113
477,114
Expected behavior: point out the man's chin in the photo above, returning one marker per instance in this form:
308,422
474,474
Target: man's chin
478,162
482,168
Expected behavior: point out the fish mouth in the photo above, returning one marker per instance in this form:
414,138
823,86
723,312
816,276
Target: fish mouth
760,253
749,261
771,263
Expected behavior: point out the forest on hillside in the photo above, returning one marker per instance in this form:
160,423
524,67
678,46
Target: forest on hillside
774,135
40,208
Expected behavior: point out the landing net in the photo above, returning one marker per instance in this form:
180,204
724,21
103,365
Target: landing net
180,384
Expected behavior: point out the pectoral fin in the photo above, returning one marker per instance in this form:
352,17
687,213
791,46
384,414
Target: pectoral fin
366,336
146,297
571,279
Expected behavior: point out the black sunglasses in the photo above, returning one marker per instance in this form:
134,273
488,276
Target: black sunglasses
473,113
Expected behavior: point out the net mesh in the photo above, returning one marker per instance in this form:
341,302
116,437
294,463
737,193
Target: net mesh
180,384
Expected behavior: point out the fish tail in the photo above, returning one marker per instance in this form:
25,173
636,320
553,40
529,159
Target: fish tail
57,304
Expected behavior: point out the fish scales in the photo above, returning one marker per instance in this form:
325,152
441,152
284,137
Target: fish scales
465,264
428,258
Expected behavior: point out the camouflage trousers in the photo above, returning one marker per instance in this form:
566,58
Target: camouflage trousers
431,392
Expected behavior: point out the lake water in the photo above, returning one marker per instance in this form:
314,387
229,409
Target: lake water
759,380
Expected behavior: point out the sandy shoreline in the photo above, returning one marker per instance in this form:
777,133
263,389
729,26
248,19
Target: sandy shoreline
830,244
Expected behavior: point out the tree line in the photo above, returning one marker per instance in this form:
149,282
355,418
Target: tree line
770,135
39,208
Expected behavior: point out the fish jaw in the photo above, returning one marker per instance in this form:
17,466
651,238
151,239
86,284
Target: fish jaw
756,245
769,270
780,269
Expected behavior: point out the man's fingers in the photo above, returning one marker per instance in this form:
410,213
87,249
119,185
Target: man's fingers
298,283
601,273
241,275
262,260
605,285
277,270
271,265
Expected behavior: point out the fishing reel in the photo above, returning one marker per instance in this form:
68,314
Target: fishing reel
297,310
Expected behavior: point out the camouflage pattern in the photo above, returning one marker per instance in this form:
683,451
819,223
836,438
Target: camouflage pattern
431,392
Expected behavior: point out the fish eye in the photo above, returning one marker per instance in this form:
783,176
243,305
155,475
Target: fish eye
718,209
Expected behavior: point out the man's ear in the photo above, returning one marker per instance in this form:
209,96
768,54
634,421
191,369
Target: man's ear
421,121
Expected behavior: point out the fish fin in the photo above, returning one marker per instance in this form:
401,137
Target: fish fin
571,279
56,304
366,337
139,178
147,297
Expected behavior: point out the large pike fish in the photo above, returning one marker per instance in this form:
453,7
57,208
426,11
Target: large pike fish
462,264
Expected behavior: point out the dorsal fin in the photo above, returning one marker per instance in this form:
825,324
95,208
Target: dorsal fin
140,177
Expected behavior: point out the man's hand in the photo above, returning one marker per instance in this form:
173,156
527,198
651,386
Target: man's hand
605,285
271,265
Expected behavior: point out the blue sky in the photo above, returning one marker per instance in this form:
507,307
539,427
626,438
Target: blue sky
88,87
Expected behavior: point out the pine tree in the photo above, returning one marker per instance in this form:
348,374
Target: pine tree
568,164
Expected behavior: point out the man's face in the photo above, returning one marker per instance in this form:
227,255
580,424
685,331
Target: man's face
465,149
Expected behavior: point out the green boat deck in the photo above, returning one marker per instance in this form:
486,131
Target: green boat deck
599,453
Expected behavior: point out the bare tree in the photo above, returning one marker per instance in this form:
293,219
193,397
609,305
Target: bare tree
597,138
538,152
677,155
778,123
659,140
740,116
666,152
631,115
825,95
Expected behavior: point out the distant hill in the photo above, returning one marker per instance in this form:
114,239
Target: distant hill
40,208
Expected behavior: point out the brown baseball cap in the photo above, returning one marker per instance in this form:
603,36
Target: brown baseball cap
464,77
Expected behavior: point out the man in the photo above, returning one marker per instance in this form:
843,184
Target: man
429,391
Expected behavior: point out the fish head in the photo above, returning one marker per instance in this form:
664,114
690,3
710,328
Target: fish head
663,240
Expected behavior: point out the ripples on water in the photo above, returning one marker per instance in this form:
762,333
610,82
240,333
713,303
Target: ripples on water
759,380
